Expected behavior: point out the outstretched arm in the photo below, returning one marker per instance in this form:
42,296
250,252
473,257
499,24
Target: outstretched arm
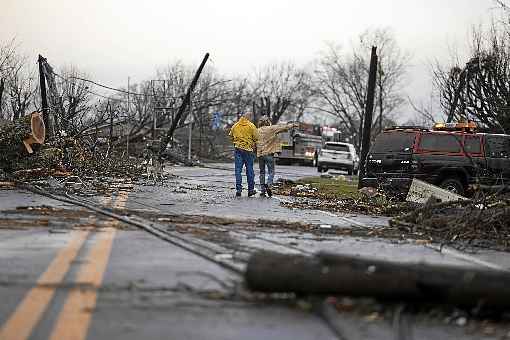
278,128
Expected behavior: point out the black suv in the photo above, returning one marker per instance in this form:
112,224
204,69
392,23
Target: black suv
453,160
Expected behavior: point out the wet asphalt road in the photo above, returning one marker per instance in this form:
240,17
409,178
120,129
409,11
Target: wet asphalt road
127,284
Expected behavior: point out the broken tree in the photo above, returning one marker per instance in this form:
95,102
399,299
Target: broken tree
354,276
17,138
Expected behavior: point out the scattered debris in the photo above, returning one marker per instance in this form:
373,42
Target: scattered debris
364,205
369,192
7,185
421,192
481,222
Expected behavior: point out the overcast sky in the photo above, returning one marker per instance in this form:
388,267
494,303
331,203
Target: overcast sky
113,39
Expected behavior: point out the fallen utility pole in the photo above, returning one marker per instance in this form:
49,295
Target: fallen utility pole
182,108
369,109
354,276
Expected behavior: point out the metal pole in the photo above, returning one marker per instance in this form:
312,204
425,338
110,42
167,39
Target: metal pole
369,109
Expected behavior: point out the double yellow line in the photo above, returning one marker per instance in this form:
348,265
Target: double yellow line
74,318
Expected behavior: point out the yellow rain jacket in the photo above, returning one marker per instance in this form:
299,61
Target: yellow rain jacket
244,135
268,142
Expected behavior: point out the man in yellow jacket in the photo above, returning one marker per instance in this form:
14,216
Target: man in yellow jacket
267,145
244,135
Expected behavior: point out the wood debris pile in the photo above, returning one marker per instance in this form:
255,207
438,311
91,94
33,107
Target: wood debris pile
25,155
480,222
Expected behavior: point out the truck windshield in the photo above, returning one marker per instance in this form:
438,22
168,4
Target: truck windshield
394,142
336,147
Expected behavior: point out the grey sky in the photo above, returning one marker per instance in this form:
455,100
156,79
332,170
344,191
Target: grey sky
113,39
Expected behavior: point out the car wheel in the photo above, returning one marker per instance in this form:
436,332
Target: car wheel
453,184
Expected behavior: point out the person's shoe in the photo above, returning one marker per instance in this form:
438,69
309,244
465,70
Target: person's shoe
238,194
252,193
268,190
262,194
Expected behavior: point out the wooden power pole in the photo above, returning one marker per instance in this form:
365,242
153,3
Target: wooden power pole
182,108
2,83
369,109
44,98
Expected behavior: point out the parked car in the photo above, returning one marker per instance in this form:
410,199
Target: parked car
452,158
338,155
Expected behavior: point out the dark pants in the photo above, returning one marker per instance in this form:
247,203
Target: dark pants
243,157
266,161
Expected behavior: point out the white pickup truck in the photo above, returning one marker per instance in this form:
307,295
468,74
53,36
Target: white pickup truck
337,155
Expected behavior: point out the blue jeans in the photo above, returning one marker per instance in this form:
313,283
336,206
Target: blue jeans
266,161
243,157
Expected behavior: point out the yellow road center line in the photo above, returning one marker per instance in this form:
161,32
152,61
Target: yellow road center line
28,313
75,317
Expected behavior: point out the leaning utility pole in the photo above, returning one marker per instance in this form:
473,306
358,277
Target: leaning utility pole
44,98
456,95
182,108
369,109
464,77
